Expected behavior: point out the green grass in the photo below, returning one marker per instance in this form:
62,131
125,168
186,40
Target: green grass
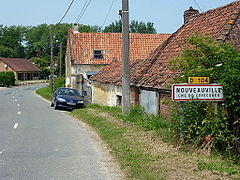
45,92
132,156
220,166
114,111
138,117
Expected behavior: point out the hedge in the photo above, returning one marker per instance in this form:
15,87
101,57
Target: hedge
7,79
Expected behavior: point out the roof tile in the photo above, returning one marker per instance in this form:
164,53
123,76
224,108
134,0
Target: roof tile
81,46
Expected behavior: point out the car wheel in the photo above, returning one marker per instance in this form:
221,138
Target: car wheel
52,105
55,107
81,106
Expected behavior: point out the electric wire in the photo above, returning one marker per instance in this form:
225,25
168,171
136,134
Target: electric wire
87,3
81,11
66,11
84,10
198,5
108,13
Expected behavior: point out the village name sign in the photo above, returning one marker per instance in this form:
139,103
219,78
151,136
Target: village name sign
197,92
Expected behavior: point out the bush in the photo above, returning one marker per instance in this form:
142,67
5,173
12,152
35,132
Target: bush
204,57
7,79
59,82
138,116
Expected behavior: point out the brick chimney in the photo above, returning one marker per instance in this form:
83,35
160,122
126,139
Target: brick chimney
75,28
188,14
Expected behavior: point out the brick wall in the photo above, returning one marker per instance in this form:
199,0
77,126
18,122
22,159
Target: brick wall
134,95
2,68
164,104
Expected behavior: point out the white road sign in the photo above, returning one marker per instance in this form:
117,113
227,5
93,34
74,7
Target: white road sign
197,92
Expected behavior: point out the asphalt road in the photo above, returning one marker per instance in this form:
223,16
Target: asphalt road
39,143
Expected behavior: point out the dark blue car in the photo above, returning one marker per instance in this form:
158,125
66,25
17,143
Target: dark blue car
67,98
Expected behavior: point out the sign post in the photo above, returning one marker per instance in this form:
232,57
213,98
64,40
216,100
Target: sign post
181,123
194,91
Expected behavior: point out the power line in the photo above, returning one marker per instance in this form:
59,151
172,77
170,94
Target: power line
108,13
66,11
81,10
198,5
85,6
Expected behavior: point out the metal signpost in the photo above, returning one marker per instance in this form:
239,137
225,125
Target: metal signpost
197,89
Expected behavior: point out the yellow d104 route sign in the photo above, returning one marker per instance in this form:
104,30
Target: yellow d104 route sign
198,80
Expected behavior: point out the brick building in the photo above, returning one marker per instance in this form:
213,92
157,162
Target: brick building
23,69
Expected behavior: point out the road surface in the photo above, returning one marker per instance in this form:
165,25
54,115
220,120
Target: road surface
39,143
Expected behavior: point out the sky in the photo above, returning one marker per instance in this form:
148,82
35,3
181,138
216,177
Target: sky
167,15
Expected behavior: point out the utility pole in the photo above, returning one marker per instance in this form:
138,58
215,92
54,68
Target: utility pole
125,56
60,60
51,60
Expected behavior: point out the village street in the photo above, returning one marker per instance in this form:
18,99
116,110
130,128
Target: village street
37,142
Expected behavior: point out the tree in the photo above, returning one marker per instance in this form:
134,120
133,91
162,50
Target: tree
7,52
134,27
12,41
37,41
141,27
88,29
114,27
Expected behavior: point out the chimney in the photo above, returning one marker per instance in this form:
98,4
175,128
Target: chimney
188,14
75,28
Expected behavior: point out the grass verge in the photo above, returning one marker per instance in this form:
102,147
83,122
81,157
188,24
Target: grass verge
135,141
223,167
132,155
45,92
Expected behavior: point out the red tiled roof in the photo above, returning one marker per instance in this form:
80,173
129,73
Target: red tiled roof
221,23
113,72
81,46
20,65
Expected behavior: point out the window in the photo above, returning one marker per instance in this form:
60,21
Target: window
89,76
98,54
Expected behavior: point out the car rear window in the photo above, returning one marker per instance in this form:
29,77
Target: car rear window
68,92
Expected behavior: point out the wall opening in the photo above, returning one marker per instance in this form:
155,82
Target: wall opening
119,100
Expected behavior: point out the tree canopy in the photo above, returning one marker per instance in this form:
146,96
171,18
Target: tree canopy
134,27
11,41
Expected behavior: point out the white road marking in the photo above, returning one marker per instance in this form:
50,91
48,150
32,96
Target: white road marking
18,105
13,97
16,100
15,125
19,112
1,153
